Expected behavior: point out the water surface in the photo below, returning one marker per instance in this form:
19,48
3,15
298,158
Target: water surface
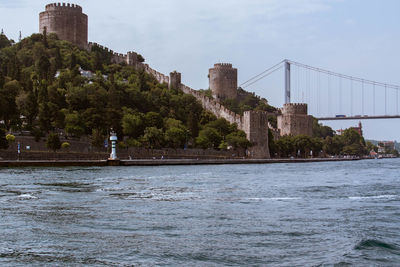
314,214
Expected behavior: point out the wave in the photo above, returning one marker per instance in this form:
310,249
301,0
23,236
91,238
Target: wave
373,197
373,243
273,198
27,196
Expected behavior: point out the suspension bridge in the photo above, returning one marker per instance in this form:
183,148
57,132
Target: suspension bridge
334,96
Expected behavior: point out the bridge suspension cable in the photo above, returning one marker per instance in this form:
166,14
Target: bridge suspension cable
325,91
348,77
262,75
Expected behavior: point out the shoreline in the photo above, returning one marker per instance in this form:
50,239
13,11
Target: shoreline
158,162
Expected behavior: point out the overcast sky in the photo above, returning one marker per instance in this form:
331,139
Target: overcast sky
354,37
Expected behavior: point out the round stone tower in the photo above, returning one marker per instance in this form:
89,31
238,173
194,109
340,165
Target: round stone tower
223,81
67,21
295,108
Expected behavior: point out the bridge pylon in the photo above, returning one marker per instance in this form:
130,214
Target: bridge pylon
287,81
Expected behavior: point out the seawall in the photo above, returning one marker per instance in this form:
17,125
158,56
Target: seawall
159,162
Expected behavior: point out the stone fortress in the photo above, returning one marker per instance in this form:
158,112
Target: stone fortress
70,24
223,81
67,21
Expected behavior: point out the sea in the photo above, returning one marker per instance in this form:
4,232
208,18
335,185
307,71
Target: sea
300,214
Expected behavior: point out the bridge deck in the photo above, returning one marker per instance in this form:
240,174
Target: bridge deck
359,118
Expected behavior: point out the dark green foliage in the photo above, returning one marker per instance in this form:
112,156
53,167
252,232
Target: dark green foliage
153,137
247,101
209,138
3,140
349,143
4,42
8,107
53,142
322,131
237,139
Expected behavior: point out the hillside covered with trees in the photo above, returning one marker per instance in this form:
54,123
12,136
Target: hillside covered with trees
43,90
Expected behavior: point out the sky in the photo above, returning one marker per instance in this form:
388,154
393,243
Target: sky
353,37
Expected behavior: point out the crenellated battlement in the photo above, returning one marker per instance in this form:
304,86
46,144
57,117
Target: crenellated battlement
63,7
223,65
295,108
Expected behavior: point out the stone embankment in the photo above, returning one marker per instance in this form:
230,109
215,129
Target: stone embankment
158,162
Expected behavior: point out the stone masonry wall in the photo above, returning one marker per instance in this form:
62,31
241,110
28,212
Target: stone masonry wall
294,120
131,59
255,125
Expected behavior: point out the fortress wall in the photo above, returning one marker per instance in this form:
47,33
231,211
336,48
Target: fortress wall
253,123
116,58
161,78
214,107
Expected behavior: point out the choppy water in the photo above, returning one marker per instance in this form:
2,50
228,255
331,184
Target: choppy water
317,214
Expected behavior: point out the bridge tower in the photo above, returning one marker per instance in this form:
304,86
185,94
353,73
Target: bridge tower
287,82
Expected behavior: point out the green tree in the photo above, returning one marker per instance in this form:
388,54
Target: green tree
8,106
53,142
333,145
153,119
97,138
175,137
153,137
238,139
302,144
285,146
132,125
354,143
371,147
222,126
74,125
209,138
4,42
3,141
321,131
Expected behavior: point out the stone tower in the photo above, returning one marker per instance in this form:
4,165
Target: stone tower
294,120
255,125
175,80
223,81
67,21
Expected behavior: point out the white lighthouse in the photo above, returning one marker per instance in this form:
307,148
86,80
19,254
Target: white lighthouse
113,139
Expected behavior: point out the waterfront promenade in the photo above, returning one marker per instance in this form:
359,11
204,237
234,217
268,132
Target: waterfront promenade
159,162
